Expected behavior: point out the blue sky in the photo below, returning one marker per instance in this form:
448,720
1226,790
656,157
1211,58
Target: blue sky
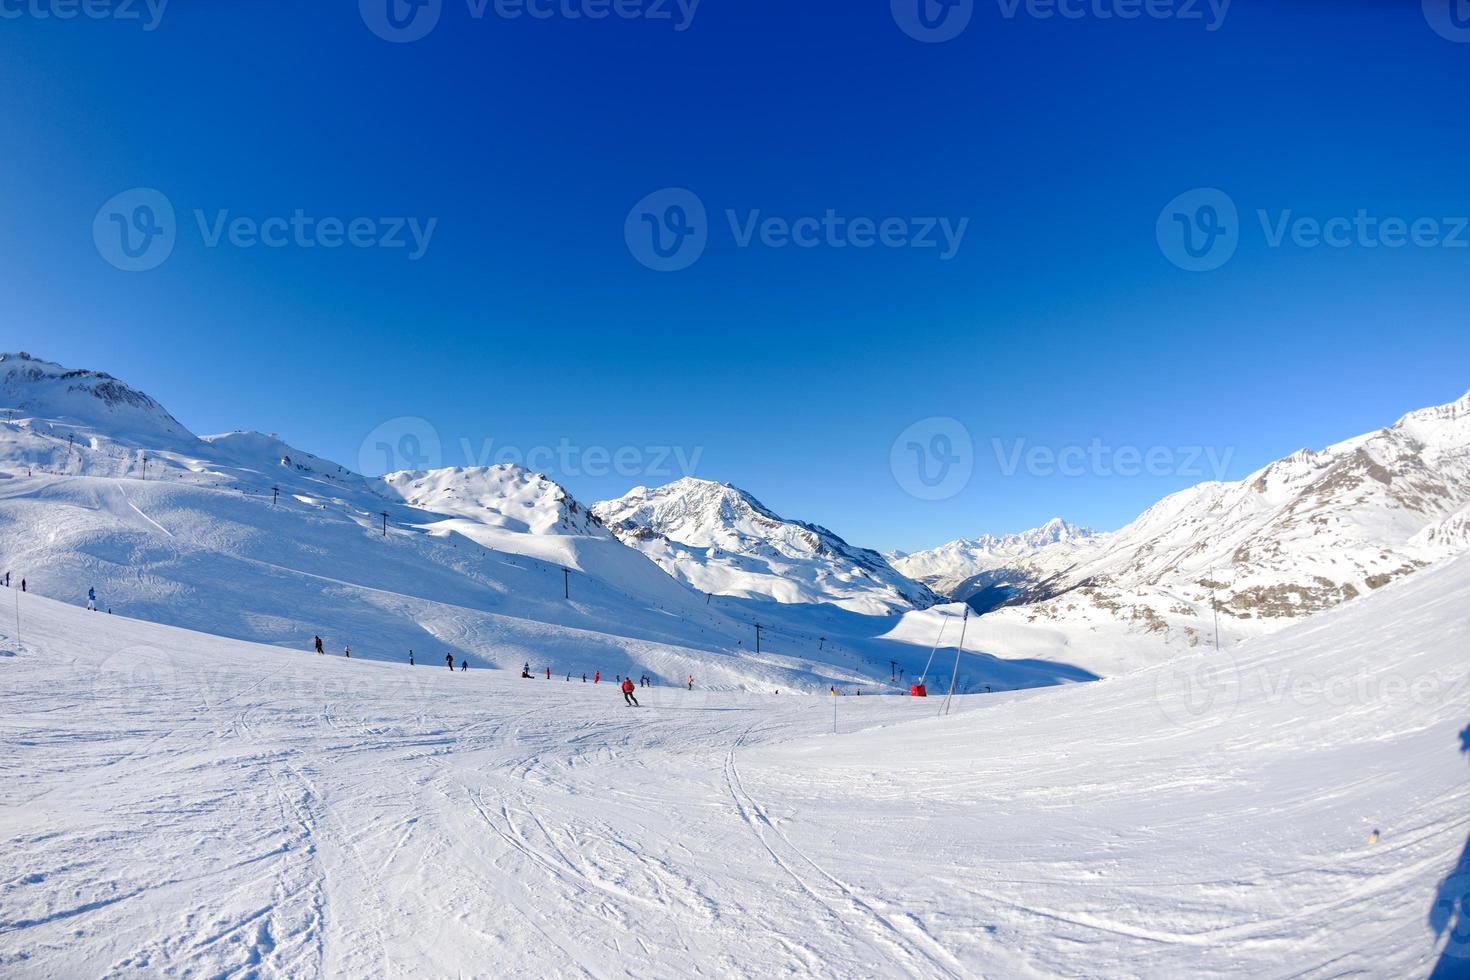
1059,325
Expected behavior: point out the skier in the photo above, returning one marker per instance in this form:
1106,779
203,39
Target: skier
628,697
92,599
319,646
584,677
548,673
347,651
691,682
410,658
449,659
596,676
464,665
22,585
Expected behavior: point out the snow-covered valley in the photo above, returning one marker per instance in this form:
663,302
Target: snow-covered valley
191,791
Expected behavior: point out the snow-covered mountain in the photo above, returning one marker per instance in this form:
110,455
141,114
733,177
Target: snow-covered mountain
507,509
246,536
56,401
1299,536
505,495
988,570
721,540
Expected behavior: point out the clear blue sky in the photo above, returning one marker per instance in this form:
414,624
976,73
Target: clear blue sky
528,321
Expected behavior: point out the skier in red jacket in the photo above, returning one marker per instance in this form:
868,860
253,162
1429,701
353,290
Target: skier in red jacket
596,676
628,697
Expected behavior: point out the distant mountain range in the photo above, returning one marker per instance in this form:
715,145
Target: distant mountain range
987,571
100,484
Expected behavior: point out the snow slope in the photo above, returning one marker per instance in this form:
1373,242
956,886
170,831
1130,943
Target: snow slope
719,539
988,570
180,804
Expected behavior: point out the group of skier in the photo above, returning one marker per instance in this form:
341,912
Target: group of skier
317,645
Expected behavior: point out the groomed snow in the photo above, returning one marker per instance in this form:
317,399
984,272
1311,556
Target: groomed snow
180,804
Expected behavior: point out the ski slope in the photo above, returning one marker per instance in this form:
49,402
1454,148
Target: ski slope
182,804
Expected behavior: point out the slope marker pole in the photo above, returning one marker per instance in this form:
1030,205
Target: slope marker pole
1215,601
955,676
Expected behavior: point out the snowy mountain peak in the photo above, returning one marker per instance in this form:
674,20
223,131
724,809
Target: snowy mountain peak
505,495
1439,423
723,540
30,386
